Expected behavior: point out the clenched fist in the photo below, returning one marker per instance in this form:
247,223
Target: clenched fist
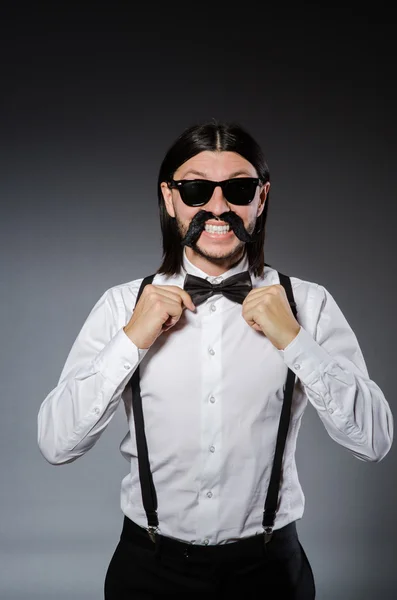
267,309
157,310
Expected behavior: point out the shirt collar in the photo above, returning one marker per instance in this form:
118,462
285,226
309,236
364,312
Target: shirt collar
188,267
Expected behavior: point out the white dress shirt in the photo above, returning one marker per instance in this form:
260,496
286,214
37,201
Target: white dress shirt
212,390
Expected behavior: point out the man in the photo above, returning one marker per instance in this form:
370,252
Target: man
215,359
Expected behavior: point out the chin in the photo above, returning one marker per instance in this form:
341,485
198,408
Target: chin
217,254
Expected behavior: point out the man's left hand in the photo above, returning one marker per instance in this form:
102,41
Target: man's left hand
267,309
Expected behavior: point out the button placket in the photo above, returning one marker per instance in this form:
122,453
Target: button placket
208,506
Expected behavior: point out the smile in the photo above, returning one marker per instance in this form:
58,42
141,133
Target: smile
219,229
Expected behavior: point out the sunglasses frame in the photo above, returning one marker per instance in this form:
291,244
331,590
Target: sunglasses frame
179,184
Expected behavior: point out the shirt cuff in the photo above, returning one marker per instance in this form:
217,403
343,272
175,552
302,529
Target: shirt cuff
306,358
119,358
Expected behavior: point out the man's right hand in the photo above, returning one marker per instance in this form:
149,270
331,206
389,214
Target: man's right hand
158,309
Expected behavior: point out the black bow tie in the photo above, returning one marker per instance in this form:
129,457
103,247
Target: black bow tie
234,288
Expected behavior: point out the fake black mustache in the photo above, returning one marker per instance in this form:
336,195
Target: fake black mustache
197,226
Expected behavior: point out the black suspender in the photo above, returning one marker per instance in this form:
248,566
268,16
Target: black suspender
269,514
149,497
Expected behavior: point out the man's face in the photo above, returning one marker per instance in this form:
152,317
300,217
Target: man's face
219,247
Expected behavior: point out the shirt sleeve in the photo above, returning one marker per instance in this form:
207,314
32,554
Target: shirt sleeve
101,361
335,379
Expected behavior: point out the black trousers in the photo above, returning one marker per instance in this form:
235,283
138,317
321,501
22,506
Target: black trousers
141,569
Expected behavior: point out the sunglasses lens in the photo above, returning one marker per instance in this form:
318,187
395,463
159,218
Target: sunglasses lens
196,193
241,190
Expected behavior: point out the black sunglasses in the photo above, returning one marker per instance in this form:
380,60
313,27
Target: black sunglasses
197,192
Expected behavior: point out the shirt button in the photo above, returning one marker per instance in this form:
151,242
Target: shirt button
217,280
213,307
96,410
330,410
211,351
127,366
212,399
212,448
297,367
206,542
209,494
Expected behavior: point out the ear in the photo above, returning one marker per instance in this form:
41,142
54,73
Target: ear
167,195
262,198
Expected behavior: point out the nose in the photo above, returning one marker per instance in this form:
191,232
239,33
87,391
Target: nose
217,203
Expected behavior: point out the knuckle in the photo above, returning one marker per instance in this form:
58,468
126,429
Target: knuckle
153,294
158,305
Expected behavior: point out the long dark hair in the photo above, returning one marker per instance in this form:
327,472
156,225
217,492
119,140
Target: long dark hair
212,136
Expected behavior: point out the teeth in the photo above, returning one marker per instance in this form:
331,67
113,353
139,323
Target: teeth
217,228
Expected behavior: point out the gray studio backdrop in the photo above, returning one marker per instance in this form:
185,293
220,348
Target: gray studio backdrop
80,157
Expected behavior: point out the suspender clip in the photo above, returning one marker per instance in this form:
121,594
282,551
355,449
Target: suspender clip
152,533
268,532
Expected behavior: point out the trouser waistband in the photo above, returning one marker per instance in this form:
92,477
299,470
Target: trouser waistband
248,546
